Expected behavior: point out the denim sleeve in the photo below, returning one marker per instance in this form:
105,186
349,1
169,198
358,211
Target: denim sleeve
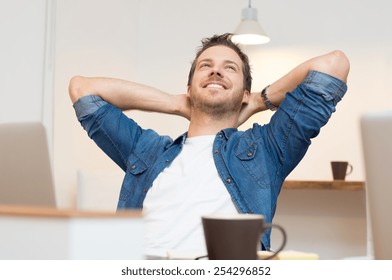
300,117
87,105
109,127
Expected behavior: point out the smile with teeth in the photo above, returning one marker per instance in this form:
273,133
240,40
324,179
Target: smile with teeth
215,86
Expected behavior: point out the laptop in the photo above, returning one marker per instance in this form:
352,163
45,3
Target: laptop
25,169
376,129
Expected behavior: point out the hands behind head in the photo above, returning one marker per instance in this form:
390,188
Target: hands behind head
250,108
183,106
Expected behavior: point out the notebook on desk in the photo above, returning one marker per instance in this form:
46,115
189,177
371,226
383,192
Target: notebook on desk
376,131
25,168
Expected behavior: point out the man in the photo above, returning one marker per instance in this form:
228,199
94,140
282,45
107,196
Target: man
213,168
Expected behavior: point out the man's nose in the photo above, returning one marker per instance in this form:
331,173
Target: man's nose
215,71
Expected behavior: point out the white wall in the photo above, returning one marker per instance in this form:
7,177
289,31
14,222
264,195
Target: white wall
93,38
153,42
22,53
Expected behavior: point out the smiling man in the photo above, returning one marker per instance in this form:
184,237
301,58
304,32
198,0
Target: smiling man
213,167
216,91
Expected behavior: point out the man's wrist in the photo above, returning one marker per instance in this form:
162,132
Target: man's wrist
266,101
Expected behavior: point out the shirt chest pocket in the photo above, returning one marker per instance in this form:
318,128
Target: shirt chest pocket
251,158
136,165
246,150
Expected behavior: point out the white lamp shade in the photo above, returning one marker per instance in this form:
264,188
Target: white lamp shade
249,31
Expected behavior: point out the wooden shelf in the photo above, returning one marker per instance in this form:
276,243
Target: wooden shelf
325,185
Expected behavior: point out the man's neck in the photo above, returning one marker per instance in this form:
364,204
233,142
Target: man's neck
202,124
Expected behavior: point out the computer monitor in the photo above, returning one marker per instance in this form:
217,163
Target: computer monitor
25,168
376,129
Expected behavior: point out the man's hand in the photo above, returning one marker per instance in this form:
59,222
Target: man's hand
254,106
183,106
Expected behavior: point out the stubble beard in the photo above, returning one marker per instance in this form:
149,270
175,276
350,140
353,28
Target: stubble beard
216,107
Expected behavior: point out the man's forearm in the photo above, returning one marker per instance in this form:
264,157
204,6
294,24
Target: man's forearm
128,95
334,63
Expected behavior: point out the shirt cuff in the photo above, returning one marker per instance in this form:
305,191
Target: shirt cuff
87,105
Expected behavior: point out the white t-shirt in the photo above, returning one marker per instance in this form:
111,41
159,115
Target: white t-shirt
186,190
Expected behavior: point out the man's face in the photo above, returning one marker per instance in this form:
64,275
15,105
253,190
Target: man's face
218,83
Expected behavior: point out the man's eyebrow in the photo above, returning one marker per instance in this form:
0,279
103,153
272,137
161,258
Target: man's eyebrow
204,60
232,62
227,61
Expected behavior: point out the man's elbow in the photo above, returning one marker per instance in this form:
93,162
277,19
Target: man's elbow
334,63
75,88
339,64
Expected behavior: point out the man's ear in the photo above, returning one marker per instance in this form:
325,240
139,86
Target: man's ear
188,91
246,97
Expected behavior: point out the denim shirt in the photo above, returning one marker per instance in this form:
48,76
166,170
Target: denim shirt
252,164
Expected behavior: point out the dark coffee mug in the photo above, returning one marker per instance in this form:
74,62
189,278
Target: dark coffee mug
340,169
236,237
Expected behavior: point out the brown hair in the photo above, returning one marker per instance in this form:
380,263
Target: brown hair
224,40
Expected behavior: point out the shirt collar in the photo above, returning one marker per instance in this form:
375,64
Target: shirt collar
227,132
180,140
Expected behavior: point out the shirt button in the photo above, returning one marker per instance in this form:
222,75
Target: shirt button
133,167
167,161
216,151
220,135
250,154
228,180
145,190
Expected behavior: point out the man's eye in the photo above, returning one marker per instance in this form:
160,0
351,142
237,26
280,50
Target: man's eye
204,65
231,68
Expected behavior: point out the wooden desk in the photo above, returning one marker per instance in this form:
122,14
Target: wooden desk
325,185
45,233
45,212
